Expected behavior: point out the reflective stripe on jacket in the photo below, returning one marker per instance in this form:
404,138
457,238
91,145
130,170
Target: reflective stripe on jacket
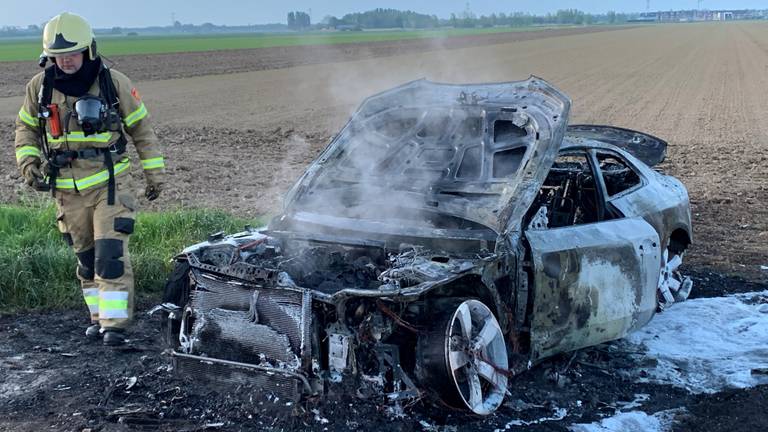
88,173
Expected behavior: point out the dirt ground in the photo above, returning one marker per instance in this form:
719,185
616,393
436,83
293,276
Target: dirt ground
53,378
181,65
238,141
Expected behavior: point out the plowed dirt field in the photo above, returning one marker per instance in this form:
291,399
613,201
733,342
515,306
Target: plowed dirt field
237,141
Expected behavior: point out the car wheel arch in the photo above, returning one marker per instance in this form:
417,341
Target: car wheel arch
679,240
479,287
468,286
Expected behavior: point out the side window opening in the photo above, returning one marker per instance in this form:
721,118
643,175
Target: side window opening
617,175
569,194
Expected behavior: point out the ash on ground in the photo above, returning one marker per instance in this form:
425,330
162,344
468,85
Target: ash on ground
52,378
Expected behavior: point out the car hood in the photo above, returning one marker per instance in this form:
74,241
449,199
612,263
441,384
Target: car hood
440,156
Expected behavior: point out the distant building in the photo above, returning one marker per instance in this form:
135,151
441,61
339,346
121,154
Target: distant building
706,15
723,16
644,18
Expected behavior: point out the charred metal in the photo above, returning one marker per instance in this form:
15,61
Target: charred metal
446,240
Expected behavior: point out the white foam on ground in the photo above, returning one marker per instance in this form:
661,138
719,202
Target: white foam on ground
706,345
633,421
557,415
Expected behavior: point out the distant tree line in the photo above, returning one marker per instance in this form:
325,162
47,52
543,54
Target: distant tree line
12,31
384,18
391,18
176,28
522,19
374,19
298,20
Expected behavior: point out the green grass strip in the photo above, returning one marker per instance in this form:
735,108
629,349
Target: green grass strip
38,268
29,49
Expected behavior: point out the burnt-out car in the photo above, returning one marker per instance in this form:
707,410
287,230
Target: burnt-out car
448,238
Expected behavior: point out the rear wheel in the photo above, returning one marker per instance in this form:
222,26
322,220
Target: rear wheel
464,357
673,286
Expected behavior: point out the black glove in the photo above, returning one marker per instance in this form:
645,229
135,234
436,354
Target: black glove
152,191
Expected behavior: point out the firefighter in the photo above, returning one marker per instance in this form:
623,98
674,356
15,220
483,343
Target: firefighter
70,140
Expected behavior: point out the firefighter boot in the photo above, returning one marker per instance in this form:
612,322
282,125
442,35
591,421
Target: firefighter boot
113,336
93,331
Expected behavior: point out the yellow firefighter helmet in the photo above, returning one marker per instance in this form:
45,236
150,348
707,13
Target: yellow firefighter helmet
68,33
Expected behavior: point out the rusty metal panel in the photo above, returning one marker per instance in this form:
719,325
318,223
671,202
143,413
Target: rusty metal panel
593,283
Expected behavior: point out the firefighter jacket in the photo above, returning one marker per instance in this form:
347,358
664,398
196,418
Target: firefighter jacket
86,173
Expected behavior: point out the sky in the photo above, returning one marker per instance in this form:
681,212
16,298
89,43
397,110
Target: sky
142,13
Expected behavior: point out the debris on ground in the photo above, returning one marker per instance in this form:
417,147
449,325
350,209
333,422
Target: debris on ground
603,381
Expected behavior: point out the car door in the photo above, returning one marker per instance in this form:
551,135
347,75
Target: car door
594,277
630,190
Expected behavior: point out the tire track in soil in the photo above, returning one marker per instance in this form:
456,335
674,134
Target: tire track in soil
146,67
727,210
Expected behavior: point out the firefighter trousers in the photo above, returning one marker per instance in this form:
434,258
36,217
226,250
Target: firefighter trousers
98,233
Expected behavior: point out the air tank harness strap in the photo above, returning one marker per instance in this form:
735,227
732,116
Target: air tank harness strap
58,158
111,183
46,92
64,157
109,92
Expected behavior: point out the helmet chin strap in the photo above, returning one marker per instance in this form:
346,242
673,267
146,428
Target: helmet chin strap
92,52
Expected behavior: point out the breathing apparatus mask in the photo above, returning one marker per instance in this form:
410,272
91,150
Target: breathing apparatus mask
95,116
